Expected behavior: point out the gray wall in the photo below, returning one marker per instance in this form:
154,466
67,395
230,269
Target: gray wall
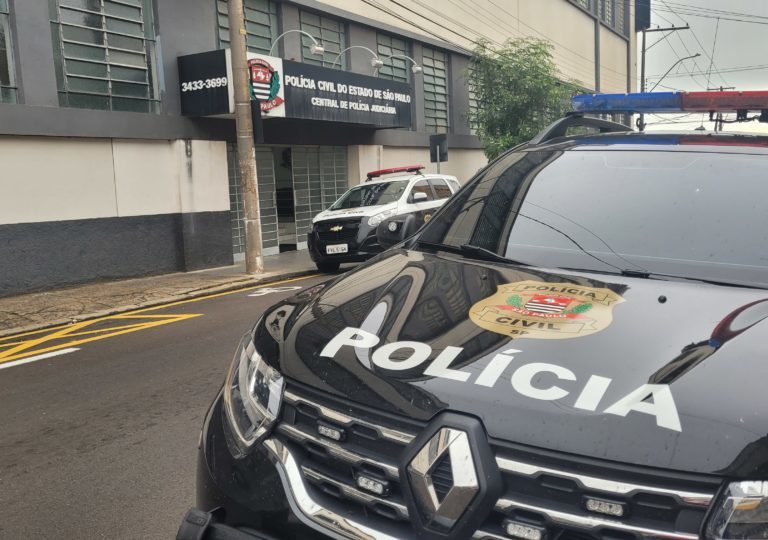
183,27
56,253
187,27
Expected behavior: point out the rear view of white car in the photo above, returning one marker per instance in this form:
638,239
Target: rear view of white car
346,232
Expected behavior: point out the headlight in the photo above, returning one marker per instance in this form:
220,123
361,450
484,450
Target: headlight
253,394
741,512
374,221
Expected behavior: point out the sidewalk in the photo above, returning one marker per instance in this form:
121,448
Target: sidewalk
34,311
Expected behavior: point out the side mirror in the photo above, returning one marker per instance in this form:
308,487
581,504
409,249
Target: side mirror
419,196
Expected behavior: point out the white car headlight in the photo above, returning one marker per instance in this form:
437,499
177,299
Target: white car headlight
375,220
253,394
741,512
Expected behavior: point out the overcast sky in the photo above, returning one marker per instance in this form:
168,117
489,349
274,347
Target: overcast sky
742,42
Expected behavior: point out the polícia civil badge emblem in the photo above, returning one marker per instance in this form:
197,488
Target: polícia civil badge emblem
541,310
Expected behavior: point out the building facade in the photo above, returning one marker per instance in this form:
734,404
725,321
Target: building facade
101,176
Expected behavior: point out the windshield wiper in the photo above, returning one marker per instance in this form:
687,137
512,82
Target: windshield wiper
644,274
477,252
471,252
654,275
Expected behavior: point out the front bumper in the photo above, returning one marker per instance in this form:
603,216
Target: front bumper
361,247
274,493
263,496
201,525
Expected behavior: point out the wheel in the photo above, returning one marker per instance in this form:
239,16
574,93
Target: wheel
328,267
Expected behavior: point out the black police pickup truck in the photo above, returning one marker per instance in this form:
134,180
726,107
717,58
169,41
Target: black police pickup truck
574,347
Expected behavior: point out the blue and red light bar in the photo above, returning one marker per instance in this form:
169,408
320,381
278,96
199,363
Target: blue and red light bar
671,102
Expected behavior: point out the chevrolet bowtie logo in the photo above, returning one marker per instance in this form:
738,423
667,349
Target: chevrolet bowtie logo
336,228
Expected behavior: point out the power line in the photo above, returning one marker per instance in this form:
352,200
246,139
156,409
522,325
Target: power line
735,69
375,4
564,61
566,47
708,13
712,58
716,11
696,37
685,67
687,50
480,12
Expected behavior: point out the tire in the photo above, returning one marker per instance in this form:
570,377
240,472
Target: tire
328,267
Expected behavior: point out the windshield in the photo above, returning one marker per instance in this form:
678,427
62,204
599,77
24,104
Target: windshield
695,215
371,195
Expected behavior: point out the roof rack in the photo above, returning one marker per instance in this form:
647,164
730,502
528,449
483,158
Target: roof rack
382,172
576,119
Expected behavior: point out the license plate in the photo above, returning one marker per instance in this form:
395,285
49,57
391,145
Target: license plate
336,248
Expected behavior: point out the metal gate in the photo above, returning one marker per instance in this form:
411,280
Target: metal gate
265,172
319,178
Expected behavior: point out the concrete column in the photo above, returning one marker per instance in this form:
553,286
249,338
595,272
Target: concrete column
417,111
458,96
361,159
290,45
204,200
360,59
34,56
181,29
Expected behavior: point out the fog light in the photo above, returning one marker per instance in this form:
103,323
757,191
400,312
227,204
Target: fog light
367,483
605,507
327,430
392,226
517,529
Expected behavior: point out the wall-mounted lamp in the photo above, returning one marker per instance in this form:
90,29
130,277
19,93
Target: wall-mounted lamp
376,62
315,48
415,68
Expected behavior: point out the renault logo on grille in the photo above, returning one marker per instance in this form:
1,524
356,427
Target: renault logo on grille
336,228
444,478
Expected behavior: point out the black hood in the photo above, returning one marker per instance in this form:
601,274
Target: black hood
699,348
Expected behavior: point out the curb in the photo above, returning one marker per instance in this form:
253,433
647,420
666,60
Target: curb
196,293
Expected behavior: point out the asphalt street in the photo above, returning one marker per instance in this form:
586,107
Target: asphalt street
100,419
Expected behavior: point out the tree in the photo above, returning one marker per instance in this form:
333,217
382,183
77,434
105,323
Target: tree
518,92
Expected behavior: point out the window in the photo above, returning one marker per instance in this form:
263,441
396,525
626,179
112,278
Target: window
422,186
606,11
371,195
327,31
613,14
584,4
396,68
104,51
435,64
621,17
523,208
442,191
260,24
7,80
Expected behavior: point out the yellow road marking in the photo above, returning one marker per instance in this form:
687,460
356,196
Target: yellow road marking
17,353
102,330
19,349
163,306
32,342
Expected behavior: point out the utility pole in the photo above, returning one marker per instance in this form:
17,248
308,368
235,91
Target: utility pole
644,49
246,153
719,118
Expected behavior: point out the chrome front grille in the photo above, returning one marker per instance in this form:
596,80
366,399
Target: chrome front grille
544,490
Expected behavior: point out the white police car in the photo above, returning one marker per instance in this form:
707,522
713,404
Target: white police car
346,232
